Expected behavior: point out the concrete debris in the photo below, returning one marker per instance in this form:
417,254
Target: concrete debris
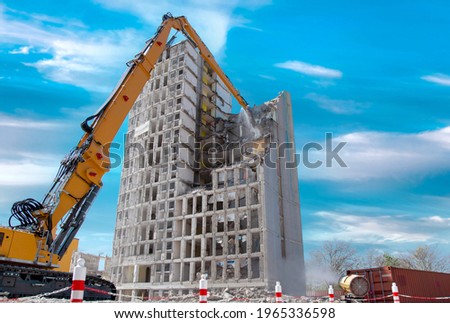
239,295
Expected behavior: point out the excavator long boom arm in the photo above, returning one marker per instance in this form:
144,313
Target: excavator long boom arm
79,178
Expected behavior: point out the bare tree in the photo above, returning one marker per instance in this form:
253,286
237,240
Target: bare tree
375,259
329,262
427,258
424,257
371,258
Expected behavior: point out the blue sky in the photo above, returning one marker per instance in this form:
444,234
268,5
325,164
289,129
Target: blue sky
375,75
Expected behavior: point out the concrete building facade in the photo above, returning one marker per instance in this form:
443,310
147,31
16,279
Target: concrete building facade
96,265
205,191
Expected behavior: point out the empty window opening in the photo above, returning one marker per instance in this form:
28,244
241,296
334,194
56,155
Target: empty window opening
255,267
242,241
199,226
208,224
230,178
150,161
244,269
169,225
188,249
255,242
243,222
148,272
230,222
242,198
176,249
209,245
231,245
188,227
198,248
151,234
185,271
190,205
219,246
166,277
220,225
230,268
198,207
219,270
176,273
144,213
254,223
219,205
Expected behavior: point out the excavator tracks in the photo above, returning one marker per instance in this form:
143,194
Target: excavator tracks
18,281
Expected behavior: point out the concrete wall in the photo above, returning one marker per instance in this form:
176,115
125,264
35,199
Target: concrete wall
282,209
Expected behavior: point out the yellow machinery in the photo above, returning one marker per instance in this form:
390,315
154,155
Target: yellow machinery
46,229
356,285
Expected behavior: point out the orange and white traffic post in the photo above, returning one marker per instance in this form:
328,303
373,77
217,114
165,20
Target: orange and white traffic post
203,290
78,279
278,293
331,294
395,293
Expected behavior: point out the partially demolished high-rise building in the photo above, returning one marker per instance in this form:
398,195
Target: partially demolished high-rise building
205,191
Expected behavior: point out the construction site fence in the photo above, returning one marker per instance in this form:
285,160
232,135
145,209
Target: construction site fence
323,293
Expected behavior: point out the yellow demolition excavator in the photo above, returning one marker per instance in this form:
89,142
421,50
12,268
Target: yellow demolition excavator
41,233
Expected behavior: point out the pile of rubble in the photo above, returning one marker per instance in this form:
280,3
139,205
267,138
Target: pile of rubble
241,295
244,295
33,300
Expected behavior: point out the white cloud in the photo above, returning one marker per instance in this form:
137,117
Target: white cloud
384,155
267,77
438,78
336,106
211,19
93,59
438,219
57,21
90,60
27,172
309,69
324,83
376,229
24,50
26,123
440,137
30,150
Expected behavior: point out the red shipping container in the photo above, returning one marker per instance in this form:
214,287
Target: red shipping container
421,286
